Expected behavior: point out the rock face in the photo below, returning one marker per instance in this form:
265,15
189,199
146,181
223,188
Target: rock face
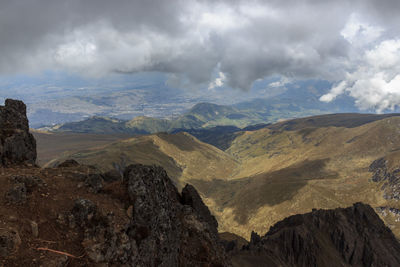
159,231
17,145
354,236
390,178
168,233
192,198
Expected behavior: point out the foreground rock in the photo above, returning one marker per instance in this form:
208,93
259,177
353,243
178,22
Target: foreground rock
160,230
17,145
354,236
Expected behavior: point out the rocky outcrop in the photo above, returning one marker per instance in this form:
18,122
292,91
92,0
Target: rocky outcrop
17,145
192,198
354,236
161,229
390,178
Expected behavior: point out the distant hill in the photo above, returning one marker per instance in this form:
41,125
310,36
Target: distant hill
201,116
296,101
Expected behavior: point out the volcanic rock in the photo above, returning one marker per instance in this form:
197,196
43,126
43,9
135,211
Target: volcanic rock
17,194
17,145
192,198
354,236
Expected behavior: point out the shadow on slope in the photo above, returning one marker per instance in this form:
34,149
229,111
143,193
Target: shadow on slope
248,194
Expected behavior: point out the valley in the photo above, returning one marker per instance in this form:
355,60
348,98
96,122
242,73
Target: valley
267,174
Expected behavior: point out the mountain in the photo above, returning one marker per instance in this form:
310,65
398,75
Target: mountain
267,174
299,100
353,236
200,116
181,155
284,172
78,215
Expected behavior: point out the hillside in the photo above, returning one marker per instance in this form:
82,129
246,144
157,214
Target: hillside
287,172
181,155
53,145
270,173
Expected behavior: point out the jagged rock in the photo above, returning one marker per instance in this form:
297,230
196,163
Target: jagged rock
68,163
83,211
353,236
159,230
94,182
192,198
17,194
17,145
254,239
31,182
166,233
9,242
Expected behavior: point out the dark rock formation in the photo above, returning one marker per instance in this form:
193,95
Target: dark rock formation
168,233
30,182
17,194
94,182
390,178
17,145
354,236
191,198
159,231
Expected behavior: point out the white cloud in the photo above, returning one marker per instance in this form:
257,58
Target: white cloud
375,82
218,82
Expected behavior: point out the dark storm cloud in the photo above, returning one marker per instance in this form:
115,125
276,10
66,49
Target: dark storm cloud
203,42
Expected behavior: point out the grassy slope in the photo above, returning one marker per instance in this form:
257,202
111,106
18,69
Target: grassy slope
282,173
53,145
183,156
284,169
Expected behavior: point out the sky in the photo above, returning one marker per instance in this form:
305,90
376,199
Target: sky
355,44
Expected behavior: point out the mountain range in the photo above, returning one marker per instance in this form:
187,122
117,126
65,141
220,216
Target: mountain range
262,174
95,204
292,101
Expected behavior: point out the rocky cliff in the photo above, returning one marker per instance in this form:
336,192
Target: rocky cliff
353,236
17,145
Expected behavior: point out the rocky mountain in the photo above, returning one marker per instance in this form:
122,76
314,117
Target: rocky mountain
353,236
77,215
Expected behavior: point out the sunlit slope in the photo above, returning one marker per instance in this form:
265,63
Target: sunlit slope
182,155
285,172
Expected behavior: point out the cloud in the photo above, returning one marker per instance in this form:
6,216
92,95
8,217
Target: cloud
373,76
341,41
